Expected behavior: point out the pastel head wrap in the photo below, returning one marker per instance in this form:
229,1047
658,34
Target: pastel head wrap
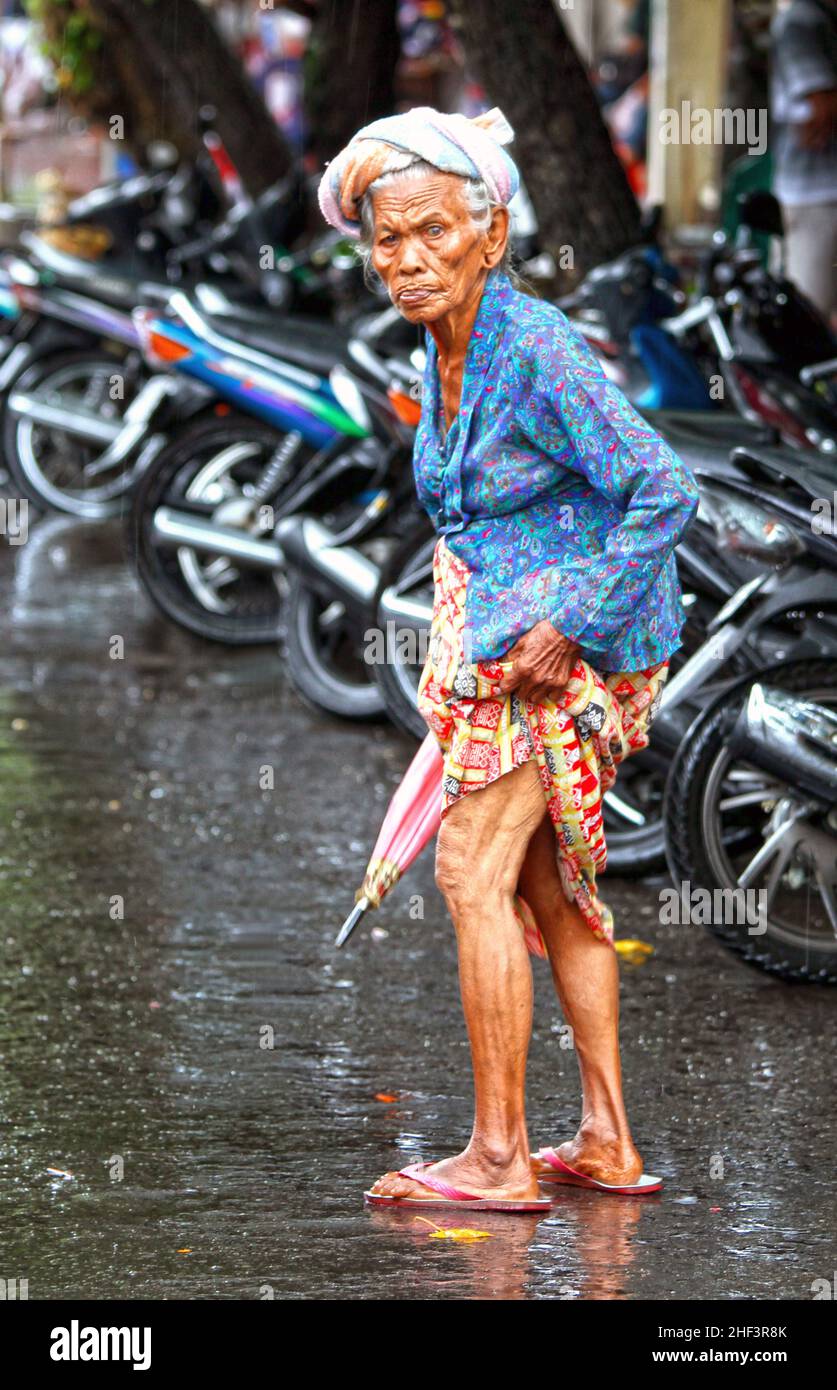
469,146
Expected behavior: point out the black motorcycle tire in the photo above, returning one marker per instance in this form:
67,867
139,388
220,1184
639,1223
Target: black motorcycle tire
255,619
638,852
317,679
395,689
686,850
29,485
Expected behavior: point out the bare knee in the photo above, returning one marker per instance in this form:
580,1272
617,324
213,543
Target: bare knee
470,878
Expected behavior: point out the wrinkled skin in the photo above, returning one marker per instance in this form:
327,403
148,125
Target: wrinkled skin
543,662
434,263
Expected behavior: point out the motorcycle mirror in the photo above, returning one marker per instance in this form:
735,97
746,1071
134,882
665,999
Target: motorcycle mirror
761,212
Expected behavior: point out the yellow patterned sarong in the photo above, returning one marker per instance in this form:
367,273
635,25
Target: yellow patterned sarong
578,740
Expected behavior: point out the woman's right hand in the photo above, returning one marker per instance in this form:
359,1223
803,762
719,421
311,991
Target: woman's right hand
542,662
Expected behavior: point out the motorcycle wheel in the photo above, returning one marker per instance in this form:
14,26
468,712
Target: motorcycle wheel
633,809
52,467
407,574
719,812
324,646
215,461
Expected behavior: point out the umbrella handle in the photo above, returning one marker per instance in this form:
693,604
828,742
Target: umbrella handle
351,921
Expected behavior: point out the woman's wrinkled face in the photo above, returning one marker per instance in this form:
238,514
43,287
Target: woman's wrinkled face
426,248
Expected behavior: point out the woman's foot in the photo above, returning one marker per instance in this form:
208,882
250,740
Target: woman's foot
510,1179
602,1155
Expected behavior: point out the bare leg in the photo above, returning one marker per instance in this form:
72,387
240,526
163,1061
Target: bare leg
586,975
481,847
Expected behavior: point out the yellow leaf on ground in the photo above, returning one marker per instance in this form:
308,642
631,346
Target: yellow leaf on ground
633,951
462,1233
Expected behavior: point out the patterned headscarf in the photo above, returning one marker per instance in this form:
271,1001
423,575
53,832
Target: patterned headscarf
456,144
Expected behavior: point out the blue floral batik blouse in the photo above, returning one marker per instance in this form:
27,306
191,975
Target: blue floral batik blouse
560,499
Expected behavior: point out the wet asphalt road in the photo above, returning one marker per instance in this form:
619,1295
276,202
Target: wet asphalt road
206,1165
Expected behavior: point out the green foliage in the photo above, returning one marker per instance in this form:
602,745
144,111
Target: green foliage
71,39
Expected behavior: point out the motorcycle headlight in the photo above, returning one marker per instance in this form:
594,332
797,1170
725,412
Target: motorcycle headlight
745,529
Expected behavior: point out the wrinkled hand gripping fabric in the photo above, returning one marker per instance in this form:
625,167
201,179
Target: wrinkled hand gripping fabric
579,740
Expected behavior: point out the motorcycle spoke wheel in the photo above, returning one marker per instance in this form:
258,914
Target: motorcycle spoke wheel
61,470
410,581
325,655
216,582
763,836
734,829
213,466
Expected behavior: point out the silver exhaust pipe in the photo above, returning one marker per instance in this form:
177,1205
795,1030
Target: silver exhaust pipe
171,529
311,547
790,737
407,612
84,424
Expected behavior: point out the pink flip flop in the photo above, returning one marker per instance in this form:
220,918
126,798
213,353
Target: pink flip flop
646,1182
452,1197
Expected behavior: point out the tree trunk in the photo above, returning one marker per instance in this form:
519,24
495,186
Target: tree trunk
524,58
155,63
350,71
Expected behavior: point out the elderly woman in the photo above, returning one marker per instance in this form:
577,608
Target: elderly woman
556,609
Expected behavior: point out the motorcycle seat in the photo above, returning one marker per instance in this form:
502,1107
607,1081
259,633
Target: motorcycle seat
119,283
316,347
813,474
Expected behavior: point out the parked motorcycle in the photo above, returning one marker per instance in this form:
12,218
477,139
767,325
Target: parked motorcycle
751,820
296,421
77,403
334,561
748,340
623,308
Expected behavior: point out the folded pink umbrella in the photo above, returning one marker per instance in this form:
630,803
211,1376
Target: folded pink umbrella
413,817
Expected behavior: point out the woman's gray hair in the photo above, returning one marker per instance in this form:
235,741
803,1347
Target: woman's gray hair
401,166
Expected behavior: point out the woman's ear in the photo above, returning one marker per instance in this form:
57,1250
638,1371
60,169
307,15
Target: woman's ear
496,237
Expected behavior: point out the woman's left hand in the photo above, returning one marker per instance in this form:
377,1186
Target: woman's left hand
543,662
